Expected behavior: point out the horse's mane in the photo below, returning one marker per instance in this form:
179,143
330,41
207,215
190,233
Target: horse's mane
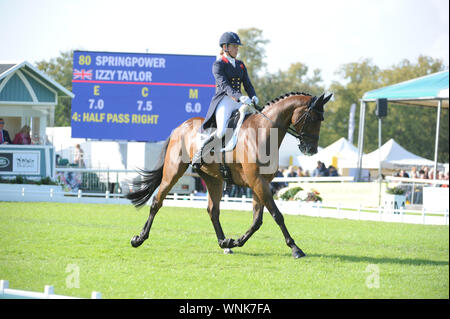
281,97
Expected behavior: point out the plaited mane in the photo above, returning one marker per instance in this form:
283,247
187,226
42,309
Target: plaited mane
282,97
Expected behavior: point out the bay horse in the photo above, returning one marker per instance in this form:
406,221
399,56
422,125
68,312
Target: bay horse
299,114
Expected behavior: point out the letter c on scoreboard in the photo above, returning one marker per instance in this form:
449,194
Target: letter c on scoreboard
144,91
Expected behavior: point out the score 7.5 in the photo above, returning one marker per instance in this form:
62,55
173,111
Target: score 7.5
144,107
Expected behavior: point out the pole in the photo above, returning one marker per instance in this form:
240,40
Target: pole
362,114
436,144
379,161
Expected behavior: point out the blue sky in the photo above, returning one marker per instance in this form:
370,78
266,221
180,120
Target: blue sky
322,34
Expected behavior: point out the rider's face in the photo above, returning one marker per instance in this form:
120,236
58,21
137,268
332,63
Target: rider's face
233,50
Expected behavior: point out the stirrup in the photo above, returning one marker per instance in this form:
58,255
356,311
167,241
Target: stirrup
197,159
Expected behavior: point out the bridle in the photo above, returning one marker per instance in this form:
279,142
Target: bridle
306,117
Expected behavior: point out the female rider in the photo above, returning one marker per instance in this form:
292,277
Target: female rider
229,73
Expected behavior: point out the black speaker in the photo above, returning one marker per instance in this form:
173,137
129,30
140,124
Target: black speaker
381,110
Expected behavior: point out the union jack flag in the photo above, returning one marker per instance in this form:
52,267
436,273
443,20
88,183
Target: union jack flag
82,74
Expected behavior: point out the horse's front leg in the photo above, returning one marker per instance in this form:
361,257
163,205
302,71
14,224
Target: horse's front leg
262,189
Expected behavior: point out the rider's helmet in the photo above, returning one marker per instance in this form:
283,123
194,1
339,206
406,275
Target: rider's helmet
229,38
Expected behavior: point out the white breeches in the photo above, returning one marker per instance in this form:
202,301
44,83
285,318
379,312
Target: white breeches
223,112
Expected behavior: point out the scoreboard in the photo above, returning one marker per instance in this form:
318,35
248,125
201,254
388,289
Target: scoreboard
137,97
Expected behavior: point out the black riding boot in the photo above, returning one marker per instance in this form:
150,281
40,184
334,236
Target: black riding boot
197,159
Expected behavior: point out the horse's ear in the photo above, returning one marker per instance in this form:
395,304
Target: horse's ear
319,102
325,100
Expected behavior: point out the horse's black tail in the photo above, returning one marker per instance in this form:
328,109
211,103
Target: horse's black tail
149,182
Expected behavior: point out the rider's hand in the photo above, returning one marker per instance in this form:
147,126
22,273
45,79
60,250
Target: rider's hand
245,99
247,109
255,100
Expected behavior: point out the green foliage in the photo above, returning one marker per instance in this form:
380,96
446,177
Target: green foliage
413,127
395,191
22,180
290,193
60,70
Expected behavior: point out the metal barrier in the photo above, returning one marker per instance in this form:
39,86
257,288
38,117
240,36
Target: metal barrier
49,293
414,187
114,181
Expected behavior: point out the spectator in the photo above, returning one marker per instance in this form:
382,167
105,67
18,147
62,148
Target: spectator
320,170
300,172
413,173
79,154
403,173
292,172
431,174
332,170
23,137
4,135
422,174
276,186
426,172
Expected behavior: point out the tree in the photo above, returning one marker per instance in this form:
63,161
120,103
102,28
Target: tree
271,85
402,122
60,70
252,52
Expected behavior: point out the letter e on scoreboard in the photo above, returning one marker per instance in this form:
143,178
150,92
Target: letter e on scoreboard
96,89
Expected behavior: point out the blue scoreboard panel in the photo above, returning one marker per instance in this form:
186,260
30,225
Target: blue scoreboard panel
137,97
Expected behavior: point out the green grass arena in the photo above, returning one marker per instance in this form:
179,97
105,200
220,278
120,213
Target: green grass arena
80,248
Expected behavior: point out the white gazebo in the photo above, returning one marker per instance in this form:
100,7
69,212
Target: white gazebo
28,97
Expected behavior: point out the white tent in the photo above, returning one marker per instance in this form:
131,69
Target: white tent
289,152
342,150
393,156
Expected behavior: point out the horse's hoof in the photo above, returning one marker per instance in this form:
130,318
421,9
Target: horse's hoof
135,241
298,254
227,251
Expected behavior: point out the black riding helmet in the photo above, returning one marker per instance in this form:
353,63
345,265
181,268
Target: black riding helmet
229,38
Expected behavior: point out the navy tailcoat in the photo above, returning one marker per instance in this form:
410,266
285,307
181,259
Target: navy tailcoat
228,82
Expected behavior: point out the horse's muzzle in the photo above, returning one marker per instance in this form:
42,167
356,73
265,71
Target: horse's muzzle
307,149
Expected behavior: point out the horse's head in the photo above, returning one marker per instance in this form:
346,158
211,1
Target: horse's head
306,121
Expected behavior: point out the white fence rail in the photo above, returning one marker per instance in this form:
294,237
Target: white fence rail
229,203
49,293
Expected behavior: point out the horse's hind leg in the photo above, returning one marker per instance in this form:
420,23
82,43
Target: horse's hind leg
215,190
258,210
174,168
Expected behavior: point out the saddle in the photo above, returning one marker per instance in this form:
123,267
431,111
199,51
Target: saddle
234,123
229,142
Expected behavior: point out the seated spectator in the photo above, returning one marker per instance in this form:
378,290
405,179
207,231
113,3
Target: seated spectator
276,186
320,170
4,135
23,137
292,172
422,174
403,173
413,173
332,170
300,172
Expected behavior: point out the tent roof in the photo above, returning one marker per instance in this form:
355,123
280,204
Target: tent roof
342,149
424,91
289,150
393,156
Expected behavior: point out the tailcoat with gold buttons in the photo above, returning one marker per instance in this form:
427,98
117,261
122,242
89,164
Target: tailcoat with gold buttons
228,82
